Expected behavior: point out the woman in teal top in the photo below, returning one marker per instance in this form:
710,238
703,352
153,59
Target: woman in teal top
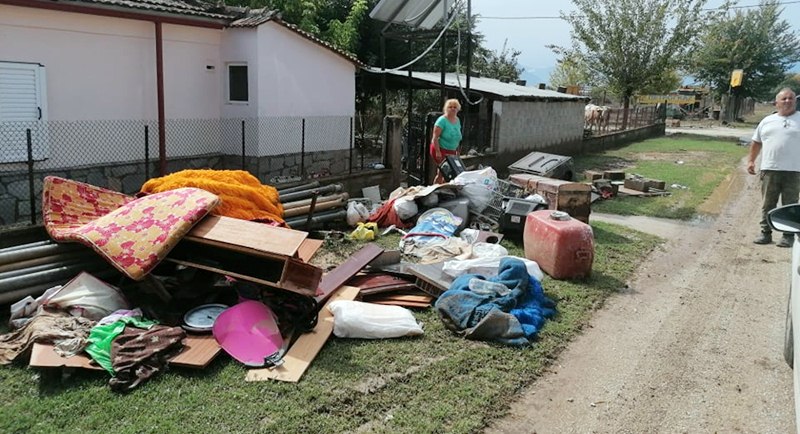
446,136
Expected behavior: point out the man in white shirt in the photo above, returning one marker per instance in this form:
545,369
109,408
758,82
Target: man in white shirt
777,139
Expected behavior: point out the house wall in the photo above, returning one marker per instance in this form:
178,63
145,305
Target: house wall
532,125
301,79
101,84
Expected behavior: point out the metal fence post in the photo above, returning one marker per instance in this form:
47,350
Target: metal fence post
146,152
350,160
243,152
31,193
303,149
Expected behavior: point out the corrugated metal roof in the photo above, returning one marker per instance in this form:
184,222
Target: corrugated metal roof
260,16
485,85
192,8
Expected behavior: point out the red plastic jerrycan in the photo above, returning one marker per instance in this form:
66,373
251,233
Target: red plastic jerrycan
561,245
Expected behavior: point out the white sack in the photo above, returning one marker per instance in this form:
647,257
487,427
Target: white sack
355,319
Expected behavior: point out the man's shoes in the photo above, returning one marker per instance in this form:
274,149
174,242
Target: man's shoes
764,238
786,241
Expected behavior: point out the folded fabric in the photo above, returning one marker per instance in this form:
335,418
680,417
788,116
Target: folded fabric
242,194
133,235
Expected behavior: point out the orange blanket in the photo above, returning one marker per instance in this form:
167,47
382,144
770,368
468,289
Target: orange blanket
242,195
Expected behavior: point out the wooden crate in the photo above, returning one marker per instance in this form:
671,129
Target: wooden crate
574,198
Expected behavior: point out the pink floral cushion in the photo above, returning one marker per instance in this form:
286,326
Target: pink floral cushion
132,234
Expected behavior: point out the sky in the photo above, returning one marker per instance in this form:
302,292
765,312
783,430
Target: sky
529,26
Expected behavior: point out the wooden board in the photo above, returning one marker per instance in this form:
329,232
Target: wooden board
308,248
198,352
246,235
305,349
347,269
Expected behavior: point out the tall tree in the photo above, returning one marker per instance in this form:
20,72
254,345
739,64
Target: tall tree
754,40
502,65
628,44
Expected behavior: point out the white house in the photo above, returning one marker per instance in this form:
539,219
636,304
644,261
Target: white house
88,76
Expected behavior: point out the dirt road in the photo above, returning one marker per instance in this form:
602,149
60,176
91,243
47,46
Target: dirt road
692,345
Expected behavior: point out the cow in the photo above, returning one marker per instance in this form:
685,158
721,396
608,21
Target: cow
597,117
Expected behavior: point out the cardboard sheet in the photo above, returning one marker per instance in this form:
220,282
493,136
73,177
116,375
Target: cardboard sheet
198,352
305,349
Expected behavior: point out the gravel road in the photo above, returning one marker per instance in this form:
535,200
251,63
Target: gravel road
693,344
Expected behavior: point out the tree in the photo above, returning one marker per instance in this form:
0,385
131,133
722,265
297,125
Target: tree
628,44
756,41
502,65
570,70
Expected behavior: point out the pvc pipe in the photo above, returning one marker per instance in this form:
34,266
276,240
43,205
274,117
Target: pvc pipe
44,267
15,295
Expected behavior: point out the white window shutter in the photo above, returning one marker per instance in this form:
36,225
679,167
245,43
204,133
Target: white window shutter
22,106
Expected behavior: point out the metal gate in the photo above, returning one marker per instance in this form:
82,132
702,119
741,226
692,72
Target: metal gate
417,133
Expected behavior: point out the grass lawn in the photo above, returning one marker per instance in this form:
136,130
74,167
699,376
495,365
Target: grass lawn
691,166
438,382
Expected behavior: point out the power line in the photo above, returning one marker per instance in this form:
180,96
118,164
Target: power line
558,18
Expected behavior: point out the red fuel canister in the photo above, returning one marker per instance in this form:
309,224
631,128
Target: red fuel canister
561,245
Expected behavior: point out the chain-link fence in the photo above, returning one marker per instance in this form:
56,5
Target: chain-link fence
123,154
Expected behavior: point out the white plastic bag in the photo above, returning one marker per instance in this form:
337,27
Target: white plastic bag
356,213
405,208
486,267
355,319
478,187
488,250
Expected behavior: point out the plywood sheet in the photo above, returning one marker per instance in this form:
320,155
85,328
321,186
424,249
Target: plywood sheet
244,235
198,351
305,349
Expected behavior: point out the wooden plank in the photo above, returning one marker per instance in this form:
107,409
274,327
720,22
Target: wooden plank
198,351
305,349
347,269
299,290
411,298
308,248
244,234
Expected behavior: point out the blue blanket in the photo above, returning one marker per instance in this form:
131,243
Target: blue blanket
513,318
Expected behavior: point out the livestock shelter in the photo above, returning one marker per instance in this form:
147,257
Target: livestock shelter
506,119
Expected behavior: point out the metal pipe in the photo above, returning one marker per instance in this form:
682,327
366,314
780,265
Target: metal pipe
322,199
88,254
36,290
320,206
46,266
30,280
332,188
26,246
301,222
38,252
308,186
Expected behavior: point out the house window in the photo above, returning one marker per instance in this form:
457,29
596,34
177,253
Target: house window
237,83
23,106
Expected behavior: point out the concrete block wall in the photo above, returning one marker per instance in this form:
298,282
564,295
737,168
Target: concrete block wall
528,126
